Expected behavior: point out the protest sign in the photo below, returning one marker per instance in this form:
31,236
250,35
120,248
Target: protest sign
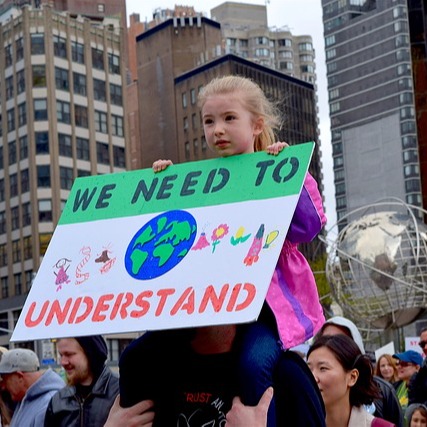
193,245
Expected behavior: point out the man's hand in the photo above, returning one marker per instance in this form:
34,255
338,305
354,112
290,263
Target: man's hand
276,148
254,416
161,165
138,415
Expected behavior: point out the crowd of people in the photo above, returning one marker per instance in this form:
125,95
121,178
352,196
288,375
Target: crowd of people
229,375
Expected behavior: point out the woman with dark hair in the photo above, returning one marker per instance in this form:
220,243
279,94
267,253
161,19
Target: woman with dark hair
344,377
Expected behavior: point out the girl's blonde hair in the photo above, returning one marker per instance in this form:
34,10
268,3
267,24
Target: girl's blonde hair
252,98
392,363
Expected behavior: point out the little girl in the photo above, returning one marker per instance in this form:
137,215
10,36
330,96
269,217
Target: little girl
416,415
238,119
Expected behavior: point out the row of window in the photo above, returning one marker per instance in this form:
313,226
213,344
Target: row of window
265,41
17,282
18,253
187,148
60,49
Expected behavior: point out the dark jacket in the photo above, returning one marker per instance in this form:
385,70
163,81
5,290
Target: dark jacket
67,409
417,389
388,407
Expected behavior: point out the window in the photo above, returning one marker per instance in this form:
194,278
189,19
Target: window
3,260
77,52
412,186
64,142
409,141
334,107
40,109
410,156
330,40
184,100
116,94
119,157
243,43
334,93
79,83
305,47
10,120
45,210
61,79
80,116
37,44
4,292
411,171
44,240
113,64
82,148
98,59
19,48
12,152
117,125
42,142
2,222
59,46
28,273
193,96
99,91
331,53
285,42
63,112
196,147
26,214
81,172
66,177
101,124
407,113
194,120
23,147
185,124
262,52
204,144
102,153
8,55
13,184
101,7
9,87
187,150
285,65
25,181
407,127
16,251
17,279
20,81
14,215
22,114
43,176
307,69
1,190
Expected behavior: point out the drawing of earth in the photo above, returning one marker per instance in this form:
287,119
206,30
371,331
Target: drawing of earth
160,245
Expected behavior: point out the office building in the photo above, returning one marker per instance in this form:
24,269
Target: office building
374,102
62,115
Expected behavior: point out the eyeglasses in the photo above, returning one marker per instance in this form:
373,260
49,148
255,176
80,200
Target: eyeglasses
404,364
422,344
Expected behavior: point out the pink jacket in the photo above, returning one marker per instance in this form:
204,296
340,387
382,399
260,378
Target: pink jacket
292,294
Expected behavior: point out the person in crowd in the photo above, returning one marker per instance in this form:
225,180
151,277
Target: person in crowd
28,386
344,376
417,390
408,364
238,119
423,342
416,415
91,389
386,368
387,405
6,403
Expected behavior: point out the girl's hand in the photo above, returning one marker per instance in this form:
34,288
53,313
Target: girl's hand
161,165
276,148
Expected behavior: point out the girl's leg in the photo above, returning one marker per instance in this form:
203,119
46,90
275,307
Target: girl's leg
259,353
299,402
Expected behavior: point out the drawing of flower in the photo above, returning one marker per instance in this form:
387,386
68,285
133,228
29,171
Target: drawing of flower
218,234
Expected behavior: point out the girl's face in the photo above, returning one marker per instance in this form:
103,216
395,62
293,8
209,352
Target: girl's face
333,381
418,419
229,127
386,369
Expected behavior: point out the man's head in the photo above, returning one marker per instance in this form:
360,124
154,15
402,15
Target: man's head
83,358
423,340
408,363
19,369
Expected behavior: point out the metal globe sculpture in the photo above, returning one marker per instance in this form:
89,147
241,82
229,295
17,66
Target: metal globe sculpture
377,266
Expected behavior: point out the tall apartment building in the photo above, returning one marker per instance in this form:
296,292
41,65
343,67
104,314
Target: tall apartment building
62,115
246,33
372,104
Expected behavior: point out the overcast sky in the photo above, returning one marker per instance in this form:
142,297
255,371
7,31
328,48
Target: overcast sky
301,17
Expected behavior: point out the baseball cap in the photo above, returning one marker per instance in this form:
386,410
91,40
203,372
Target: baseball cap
409,356
19,359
